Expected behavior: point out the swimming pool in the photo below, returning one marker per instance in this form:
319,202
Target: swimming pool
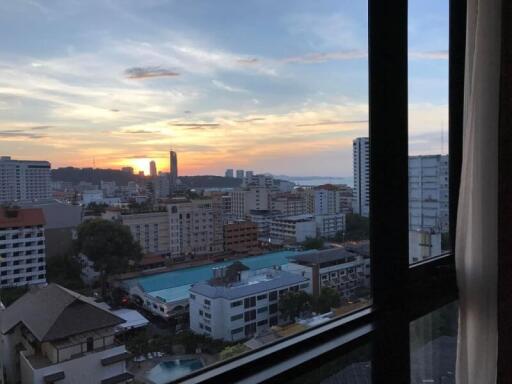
171,370
174,285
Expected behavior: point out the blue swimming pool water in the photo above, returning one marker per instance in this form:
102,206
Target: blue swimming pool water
171,370
174,285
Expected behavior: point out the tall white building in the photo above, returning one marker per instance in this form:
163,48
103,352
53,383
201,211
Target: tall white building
361,167
323,200
293,229
252,198
24,180
428,193
150,230
22,247
241,309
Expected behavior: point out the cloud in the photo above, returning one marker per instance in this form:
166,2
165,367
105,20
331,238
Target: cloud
139,131
429,55
251,60
339,122
40,127
195,126
250,120
225,87
20,134
321,57
149,72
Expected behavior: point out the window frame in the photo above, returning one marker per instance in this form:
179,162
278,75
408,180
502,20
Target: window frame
401,292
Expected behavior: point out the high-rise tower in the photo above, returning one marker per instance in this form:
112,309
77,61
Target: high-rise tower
173,171
361,158
152,168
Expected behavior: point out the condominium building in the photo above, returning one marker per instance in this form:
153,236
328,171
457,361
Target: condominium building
173,172
293,229
251,198
240,236
191,232
240,173
329,225
241,309
361,168
289,204
22,247
428,193
229,173
150,230
152,168
54,335
263,220
22,180
323,200
338,268
424,244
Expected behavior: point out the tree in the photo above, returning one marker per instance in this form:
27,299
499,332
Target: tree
64,270
109,245
328,298
292,304
313,243
10,295
357,228
232,351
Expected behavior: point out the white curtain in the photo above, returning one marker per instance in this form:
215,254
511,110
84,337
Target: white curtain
476,237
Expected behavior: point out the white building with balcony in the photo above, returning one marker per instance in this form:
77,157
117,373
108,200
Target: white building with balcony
22,180
22,247
242,309
293,229
53,335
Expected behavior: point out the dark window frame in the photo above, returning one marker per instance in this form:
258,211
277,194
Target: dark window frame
401,292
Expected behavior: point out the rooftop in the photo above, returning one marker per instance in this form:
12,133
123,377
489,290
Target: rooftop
340,255
54,312
296,219
263,282
21,217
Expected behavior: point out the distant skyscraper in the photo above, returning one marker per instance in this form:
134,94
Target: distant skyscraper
361,166
173,171
229,173
239,173
141,173
152,168
24,180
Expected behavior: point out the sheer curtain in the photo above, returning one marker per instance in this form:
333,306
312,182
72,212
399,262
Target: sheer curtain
476,238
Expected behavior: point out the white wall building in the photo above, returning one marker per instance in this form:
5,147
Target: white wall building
150,230
22,180
293,229
289,204
242,309
22,247
423,244
72,343
361,168
251,198
428,193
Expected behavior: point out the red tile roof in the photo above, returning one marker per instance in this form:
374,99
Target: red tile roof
24,217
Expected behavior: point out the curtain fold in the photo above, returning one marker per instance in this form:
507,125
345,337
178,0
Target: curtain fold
477,220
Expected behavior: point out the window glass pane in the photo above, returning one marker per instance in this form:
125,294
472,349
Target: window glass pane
227,140
433,341
428,129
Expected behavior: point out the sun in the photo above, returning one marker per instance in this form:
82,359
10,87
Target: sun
141,165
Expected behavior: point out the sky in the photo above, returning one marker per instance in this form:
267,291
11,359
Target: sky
271,86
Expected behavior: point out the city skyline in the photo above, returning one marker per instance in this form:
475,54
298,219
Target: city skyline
117,83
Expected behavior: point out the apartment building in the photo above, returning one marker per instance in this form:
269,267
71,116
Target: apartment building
323,200
263,220
22,247
150,230
191,232
241,309
250,198
338,268
327,226
428,193
361,168
293,229
74,342
22,180
289,204
240,236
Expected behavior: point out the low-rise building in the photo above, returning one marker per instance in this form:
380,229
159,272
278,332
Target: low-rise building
240,236
293,229
263,219
289,204
329,225
339,268
22,247
73,342
239,310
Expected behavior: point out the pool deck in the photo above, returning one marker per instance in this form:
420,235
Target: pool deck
141,369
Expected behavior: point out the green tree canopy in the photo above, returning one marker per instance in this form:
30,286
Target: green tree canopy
328,298
64,270
292,304
357,228
313,243
109,245
232,351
